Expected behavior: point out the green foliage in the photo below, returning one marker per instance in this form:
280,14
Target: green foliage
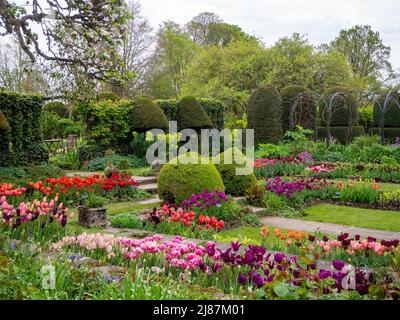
66,161
214,109
304,113
128,220
366,116
139,144
392,114
58,108
146,115
177,181
264,114
390,133
365,140
4,125
131,161
234,184
9,173
56,127
93,200
268,150
342,134
89,152
107,95
23,175
110,121
191,115
343,110
23,113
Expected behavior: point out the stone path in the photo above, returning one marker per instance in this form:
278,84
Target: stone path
327,228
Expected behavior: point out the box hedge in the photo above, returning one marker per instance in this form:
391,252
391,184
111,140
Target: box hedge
341,133
390,133
191,115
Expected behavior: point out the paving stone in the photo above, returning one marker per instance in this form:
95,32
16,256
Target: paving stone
328,228
154,200
150,187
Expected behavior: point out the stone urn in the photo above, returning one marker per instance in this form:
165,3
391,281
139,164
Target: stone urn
90,217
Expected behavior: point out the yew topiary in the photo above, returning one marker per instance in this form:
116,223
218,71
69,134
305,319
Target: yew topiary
344,111
305,110
191,115
235,184
264,114
178,181
4,125
146,115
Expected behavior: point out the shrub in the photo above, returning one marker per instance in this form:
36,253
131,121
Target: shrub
390,133
341,133
58,108
89,152
215,111
365,140
99,164
366,116
128,220
268,150
107,95
8,173
235,184
146,115
192,115
177,181
342,111
23,113
392,114
305,112
264,115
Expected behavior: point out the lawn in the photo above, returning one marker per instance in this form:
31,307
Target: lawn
359,217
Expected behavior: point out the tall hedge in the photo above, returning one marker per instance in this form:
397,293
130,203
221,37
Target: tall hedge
305,112
191,115
392,114
264,114
342,134
146,115
23,142
341,110
214,109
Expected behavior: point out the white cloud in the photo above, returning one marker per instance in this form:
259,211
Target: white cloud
321,20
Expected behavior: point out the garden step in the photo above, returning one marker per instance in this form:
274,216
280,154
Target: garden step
149,187
145,180
154,200
79,173
328,228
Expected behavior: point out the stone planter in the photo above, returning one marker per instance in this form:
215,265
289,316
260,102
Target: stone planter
90,217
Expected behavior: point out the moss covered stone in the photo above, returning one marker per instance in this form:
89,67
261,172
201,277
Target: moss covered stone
235,184
178,180
264,114
191,115
146,115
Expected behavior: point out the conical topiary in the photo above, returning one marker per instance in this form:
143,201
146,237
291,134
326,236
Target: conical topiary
191,115
146,115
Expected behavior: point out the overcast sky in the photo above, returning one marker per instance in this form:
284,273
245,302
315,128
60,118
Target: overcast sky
320,20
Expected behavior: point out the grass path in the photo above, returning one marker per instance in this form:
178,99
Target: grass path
351,216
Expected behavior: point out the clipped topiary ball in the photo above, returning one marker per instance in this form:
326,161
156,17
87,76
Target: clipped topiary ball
264,114
177,182
57,108
4,125
304,112
191,115
392,114
342,111
235,184
146,115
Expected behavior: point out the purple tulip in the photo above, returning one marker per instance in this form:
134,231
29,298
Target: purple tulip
235,246
242,279
279,257
323,273
338,264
